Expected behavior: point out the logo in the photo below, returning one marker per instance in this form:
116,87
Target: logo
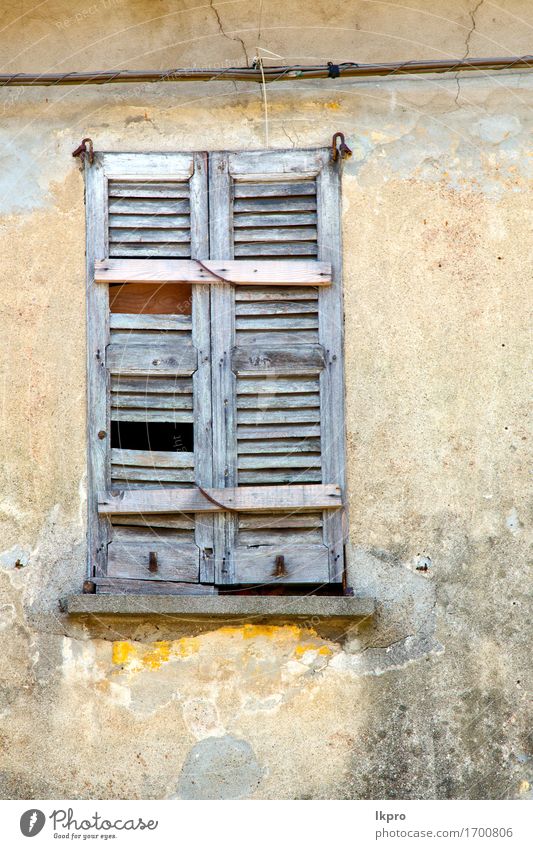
32,822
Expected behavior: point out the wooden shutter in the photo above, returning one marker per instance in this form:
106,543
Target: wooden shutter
278,400
150,366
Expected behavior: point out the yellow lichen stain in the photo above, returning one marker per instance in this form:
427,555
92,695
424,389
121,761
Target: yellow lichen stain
269,632
154,655
524,787
300,650
332,104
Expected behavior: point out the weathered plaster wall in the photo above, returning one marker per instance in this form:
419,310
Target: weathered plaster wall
430,701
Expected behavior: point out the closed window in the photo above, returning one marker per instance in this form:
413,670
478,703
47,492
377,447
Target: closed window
216,420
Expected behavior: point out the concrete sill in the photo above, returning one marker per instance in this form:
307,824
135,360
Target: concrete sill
224,608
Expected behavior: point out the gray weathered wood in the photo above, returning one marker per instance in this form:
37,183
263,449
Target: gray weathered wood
276,431
287,322
97,379
248,272
113,586
273,447
153,251
275,385
123,475
166,236
279,476
262,521
273,219
332,338
178,359
145,189
305,359
269,249
148,206
178,521
201,338
150,385
249,499
277,189
267,417
304,564
163,222
130,321
273,293
275,308
145,414
175,562
161,459
152,401
265,402
300,461
275,234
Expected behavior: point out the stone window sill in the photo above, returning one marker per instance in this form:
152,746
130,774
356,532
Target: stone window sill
277,609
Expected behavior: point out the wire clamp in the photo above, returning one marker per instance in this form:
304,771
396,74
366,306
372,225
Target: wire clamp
334,71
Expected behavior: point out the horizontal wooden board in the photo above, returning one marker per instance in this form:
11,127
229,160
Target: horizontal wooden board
148,533
155,402
275,234
127,321
287,204
142,359
127,474
159,459
292,359
142,236
145,414
148,189
274,189
274,219
149,251
147,385
132,560
280,309
179,521
262,521
304,564
256,499
296,461
264,401
162,222
273,447
264,272
268,249
277,431
311,414
275,385
286,322
147,206
279,476
113,586
272,293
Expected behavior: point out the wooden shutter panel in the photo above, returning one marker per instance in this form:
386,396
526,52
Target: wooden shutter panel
277,364
153,368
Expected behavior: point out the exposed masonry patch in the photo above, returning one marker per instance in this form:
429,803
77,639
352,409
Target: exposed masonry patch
220,768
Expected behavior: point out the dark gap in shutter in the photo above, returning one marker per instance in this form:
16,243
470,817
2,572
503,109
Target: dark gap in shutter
152,436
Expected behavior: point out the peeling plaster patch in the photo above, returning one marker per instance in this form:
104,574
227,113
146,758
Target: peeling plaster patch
202,719
8,615
513,522
220,768
406,601
15,557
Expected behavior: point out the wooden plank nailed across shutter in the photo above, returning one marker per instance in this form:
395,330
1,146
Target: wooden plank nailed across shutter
246,498
239,272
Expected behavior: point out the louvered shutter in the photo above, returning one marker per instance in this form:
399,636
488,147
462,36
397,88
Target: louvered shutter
278,415
153,370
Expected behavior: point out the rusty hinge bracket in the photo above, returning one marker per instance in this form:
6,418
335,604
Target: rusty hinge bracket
85,149
339,150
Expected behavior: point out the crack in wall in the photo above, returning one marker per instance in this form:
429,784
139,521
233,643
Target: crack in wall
473,12
235,38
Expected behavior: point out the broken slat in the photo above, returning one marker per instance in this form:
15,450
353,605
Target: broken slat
249,499
249,272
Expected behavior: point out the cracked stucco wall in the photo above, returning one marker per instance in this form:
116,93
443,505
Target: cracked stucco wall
428,701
